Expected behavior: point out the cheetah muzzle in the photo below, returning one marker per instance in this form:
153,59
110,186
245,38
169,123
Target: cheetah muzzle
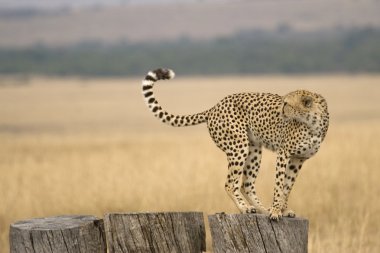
242,124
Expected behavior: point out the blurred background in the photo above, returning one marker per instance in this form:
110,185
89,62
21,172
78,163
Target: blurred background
76,137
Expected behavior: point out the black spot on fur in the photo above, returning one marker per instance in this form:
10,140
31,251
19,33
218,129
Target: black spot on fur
148,94
150,78
146,87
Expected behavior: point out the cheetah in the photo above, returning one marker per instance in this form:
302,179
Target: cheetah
241,124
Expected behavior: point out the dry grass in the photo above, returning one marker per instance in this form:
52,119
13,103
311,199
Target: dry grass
90,147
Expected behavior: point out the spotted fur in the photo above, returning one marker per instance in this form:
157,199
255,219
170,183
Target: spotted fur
242,124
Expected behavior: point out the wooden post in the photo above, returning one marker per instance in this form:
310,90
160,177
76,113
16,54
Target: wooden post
257,233
155,232
62,234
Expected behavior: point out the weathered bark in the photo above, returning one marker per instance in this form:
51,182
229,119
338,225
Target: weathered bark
62,234
155,232
257,233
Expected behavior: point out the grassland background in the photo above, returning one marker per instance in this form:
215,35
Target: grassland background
89,146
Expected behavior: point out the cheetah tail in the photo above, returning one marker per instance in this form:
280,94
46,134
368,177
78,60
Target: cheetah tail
156,109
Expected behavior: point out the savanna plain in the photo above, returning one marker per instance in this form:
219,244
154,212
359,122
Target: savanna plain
90,146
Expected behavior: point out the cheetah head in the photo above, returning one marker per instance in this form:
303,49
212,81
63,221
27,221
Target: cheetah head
305,106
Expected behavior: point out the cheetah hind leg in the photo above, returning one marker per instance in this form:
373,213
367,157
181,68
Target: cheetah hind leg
236,157
279,199
256,204
233,185
250,173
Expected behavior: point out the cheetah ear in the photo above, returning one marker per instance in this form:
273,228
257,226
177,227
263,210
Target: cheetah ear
307,101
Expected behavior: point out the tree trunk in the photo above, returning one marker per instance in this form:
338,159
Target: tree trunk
155,232
62,234
257,233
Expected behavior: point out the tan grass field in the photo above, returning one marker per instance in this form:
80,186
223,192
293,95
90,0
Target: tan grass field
83,146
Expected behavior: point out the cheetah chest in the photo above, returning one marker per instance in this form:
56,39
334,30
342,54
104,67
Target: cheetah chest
305,148
268,141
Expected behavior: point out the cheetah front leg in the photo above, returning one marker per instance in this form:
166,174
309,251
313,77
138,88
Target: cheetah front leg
250,173
275,212
292,170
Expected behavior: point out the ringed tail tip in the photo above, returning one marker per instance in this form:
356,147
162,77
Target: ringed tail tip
160,74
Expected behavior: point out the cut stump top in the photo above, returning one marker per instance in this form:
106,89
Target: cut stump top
55,223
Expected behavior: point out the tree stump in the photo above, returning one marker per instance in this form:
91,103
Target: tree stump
155,232
257,233
62,234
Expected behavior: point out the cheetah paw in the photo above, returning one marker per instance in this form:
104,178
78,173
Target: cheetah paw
249,209
289,213
275,214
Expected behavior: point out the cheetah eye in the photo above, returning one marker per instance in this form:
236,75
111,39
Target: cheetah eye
307,102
